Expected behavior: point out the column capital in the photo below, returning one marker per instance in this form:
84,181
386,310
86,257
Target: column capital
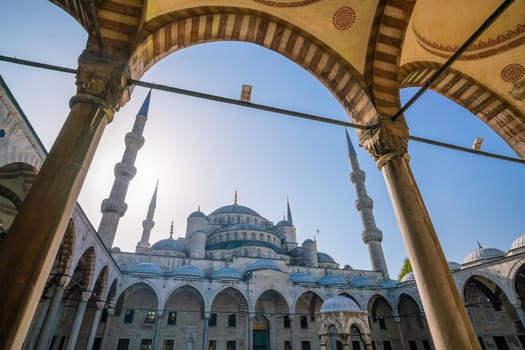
100,305
160,314
63,280
85,295
385,140
111,310
102,81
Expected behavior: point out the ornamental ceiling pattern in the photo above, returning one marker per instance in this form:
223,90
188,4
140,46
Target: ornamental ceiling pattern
286,3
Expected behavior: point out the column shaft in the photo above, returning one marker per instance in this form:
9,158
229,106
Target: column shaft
446,315
39,227
77,322
292,333
205,333
51,319
156,333
94,326
34,331
105,342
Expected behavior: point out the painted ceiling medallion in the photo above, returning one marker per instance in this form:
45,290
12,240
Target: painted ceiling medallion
344,18
286,3
512,73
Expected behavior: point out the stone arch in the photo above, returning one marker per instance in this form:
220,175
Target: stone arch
484,103
65,252
100,286
309,291
225,288
307,304
112,292
84,269
488,306
138,301
269,309
9,194
176,30
502,283
148,282
229,308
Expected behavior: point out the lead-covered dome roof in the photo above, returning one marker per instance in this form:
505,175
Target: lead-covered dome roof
169,244
146,268
263,264
198,214
408,277
339,303
227,273
234,209
483,254
325,258
518,242
187,271
301,277
333,280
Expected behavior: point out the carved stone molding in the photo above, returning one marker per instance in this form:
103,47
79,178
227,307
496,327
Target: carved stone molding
386,140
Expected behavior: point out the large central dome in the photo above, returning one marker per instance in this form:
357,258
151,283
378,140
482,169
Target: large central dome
235,209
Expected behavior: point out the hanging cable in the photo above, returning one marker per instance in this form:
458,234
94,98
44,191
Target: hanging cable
267,108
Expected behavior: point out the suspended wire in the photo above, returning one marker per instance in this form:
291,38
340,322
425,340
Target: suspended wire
266,108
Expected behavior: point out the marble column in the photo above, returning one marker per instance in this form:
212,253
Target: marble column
156,332
105,343
397,321
251,316
94,325
205,330
77,321
51,316
36,326
521,313
292,332
41,222
448,321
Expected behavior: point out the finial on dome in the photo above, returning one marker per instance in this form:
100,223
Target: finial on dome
199,208
315,236
171,230
235,198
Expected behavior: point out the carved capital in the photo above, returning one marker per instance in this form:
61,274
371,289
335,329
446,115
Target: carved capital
105,80
100,305
85,296
386,140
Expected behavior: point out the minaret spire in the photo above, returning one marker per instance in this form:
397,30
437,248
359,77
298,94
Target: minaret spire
371,235
114,207
148,223
288,211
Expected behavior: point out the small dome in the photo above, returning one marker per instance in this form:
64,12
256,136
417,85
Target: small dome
325,258
452,265
364,281
339,303
284,223
227,273
235,209
115,250
147,268
518,242
301,277
308,241
482,254
169,244
333,280
408,277
187,271
198,214
263,264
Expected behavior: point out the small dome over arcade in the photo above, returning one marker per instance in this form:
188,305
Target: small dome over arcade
325,258
333,280
339,303
301,277
263,264
481,253
518,242
452,265
188,271
227,273
408,277
146,268
364,281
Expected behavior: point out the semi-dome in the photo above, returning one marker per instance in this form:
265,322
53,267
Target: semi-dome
263,264
301,277
482,254
408,277
518,242
169,244
235,209
198,214
333,280
364,281
146,268
187,271
227,273
325,258
339,303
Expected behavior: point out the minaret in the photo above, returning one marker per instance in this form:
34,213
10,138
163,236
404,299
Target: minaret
289,212
371,235
114,207
148,224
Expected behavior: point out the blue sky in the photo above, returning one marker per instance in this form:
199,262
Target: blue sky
202,151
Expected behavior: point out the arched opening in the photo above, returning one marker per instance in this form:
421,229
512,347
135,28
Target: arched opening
413,323
384,327
137,305
270,325
229,313
493,317
184,318
305,318
357,342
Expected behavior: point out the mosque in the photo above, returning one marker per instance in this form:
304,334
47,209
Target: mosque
236,280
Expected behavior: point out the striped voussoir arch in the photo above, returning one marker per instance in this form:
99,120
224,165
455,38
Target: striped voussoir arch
78,9
66,251
173,32
487,105
384,52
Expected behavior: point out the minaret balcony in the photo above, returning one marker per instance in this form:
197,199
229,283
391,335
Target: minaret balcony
358,176
372,236
117,207
125,170
364,202
133,139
